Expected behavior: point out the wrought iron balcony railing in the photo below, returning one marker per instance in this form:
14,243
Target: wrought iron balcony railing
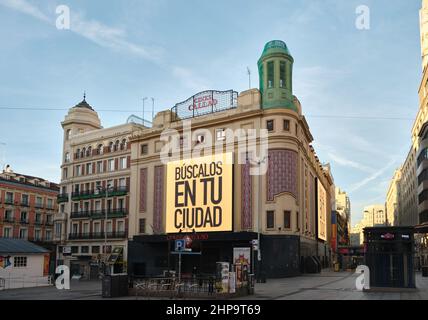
97,235
92,194
99,214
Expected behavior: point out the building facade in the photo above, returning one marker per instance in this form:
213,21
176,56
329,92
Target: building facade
343,205
92,221
287,209
373,216
27,207
392,199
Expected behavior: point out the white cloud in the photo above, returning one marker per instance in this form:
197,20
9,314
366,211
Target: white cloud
26,8
371,177
189,79
348,163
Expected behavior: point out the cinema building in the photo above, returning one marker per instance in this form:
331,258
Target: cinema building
287,207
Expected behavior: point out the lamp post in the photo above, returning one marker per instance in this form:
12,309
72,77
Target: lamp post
105,227
259,201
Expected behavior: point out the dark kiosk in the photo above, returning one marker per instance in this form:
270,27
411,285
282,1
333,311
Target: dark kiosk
389,256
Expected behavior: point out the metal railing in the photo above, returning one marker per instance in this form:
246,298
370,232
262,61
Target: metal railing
97,235
99,214
111,192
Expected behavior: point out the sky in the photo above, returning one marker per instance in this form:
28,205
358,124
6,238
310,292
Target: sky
351,82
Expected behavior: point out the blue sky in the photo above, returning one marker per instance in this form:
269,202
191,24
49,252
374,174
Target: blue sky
122,51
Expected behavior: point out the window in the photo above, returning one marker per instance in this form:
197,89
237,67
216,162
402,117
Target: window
122,182
295,126
89,168
24,200
269,125
287,219
50,204
111,165
23,233
270,219
144,149
9,197
49,219
75,229
95,249
109,227
200,138
270,74
99,166
24,217
123,163
220,134
287,125
84,249
97,227
120,204
67,157
61,208
8,215
78,170
65,173
282,74
86,228
7,232
58,230
19,262
39,202
74,249
97,205
38,218
68,134
37,235
120,226
142,225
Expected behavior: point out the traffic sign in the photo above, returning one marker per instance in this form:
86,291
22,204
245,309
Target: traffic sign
180,245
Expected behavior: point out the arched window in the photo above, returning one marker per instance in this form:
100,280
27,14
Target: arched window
111,146
89,152
67,157
68,134
123,145
83,152
116,145
100,149
77,153
270,74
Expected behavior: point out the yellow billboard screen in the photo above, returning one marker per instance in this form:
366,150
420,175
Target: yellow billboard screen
199,194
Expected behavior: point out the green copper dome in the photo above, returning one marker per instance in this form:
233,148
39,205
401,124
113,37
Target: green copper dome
275,75
275,46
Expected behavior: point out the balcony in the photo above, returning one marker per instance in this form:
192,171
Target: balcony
38,205
99,214
97,235
24,221
62,197
48,223
38,222
8,220
25,203
8,201
93,194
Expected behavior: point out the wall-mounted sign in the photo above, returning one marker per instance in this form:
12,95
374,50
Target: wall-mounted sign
205,102
5,262
387,236
322,211
199,194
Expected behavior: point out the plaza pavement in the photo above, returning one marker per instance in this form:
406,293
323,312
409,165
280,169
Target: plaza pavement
325,286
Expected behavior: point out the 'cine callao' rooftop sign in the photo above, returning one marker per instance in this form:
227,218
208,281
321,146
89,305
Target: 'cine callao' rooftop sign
205,102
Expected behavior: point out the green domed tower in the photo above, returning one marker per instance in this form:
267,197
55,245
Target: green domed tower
275,74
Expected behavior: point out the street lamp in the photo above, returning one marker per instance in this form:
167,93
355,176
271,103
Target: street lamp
259,201
105,226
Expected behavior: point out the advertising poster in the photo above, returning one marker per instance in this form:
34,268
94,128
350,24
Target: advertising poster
199,194
46,265
322,212
222,283
232,282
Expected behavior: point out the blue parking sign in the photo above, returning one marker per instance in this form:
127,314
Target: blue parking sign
180,245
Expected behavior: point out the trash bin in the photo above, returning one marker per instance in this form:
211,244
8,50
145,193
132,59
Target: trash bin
115,286
424,271
336,267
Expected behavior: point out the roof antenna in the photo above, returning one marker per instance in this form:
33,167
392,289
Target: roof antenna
249,78
84,95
